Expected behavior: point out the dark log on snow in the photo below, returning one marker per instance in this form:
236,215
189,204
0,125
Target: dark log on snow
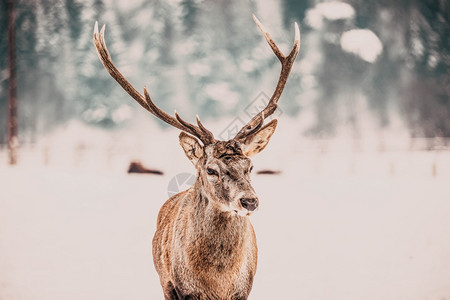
137,167
268,172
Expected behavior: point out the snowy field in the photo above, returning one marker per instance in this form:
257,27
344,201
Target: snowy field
334,225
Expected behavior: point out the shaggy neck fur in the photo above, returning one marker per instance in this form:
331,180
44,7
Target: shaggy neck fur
219,235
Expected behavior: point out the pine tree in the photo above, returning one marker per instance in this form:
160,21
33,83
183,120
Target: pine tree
13,139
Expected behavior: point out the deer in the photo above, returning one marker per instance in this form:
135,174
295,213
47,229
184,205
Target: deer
205,246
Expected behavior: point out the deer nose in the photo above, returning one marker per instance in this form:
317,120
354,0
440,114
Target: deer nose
249,203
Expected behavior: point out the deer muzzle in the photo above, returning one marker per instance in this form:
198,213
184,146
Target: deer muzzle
249,203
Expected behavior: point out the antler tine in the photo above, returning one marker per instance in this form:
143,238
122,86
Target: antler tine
161,114
105,58
269,40
202,133
286,66
251,127
146,102
205,136
203,128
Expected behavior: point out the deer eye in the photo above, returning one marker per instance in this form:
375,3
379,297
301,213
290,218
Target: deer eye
212,172
248,171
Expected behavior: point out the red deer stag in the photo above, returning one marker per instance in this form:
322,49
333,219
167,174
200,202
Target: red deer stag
204,246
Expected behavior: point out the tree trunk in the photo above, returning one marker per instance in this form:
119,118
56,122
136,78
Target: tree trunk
13,140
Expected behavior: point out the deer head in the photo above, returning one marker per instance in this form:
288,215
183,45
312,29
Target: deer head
223,167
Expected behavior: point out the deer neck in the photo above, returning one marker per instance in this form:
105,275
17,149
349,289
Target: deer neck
220,233
210,219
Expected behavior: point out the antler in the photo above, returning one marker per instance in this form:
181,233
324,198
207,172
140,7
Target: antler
199,131
286,64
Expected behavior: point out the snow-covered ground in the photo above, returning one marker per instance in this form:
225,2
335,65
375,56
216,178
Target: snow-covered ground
334,225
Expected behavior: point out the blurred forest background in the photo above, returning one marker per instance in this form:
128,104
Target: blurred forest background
382,63
361,156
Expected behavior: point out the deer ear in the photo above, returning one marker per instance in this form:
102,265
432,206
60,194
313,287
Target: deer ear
258,141
191,146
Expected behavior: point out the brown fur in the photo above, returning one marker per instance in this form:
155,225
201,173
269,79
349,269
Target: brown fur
205,246
205,253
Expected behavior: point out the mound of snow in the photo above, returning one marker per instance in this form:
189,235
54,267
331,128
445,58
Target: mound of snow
331,11
362,42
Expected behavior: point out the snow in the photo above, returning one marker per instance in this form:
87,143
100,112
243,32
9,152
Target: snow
198,69
336,224
331,11
335,10
122,113
362,42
